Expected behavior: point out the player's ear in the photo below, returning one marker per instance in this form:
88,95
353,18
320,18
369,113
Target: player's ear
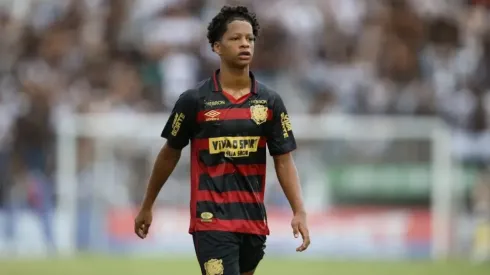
217,47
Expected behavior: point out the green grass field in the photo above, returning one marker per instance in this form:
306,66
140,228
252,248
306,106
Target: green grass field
138,266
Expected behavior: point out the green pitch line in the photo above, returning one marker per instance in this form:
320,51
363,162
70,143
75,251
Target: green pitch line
138,266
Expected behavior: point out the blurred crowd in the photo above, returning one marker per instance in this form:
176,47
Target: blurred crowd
407,57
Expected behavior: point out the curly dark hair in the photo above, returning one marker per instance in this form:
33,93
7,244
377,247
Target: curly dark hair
218,26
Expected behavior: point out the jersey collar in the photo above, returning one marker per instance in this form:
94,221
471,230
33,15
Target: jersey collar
217,85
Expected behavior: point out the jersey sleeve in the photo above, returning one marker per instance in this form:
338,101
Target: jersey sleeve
179,128
280,137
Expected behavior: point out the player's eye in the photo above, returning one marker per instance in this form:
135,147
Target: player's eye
251,39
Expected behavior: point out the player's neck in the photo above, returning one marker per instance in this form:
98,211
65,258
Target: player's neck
232,79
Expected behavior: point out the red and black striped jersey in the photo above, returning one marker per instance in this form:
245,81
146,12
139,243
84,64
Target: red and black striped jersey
228,152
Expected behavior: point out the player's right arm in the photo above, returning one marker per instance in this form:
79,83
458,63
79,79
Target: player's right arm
178,132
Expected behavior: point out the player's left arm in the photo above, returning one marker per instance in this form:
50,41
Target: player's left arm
281,142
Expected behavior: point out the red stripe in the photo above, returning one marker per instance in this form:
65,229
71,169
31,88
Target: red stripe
227,114
203,143
238,226
244,170
230,197
230,168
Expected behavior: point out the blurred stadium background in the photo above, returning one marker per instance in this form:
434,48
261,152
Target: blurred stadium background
389,100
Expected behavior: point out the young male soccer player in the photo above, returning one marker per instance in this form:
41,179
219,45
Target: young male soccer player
229,119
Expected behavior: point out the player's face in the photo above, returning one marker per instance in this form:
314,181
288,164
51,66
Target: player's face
237,44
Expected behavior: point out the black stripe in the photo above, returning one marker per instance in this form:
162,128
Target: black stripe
223,128
232,211
230,182
219,101
208,159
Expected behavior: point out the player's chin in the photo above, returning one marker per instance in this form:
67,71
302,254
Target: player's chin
242,63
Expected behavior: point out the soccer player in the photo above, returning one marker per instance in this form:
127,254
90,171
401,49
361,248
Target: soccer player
229,119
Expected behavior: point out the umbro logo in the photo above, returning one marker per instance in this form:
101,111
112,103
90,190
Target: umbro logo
212,115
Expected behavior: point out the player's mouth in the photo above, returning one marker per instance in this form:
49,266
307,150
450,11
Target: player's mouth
245,55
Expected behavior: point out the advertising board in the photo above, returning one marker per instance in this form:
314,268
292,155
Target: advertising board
340,232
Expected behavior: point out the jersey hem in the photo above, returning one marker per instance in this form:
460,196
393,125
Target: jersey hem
220,225
262,233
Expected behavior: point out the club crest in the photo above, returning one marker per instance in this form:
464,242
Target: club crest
214,267
258,113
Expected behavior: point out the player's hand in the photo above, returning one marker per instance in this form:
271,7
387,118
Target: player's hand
300,227
142,223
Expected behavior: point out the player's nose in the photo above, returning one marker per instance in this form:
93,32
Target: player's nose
244,43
